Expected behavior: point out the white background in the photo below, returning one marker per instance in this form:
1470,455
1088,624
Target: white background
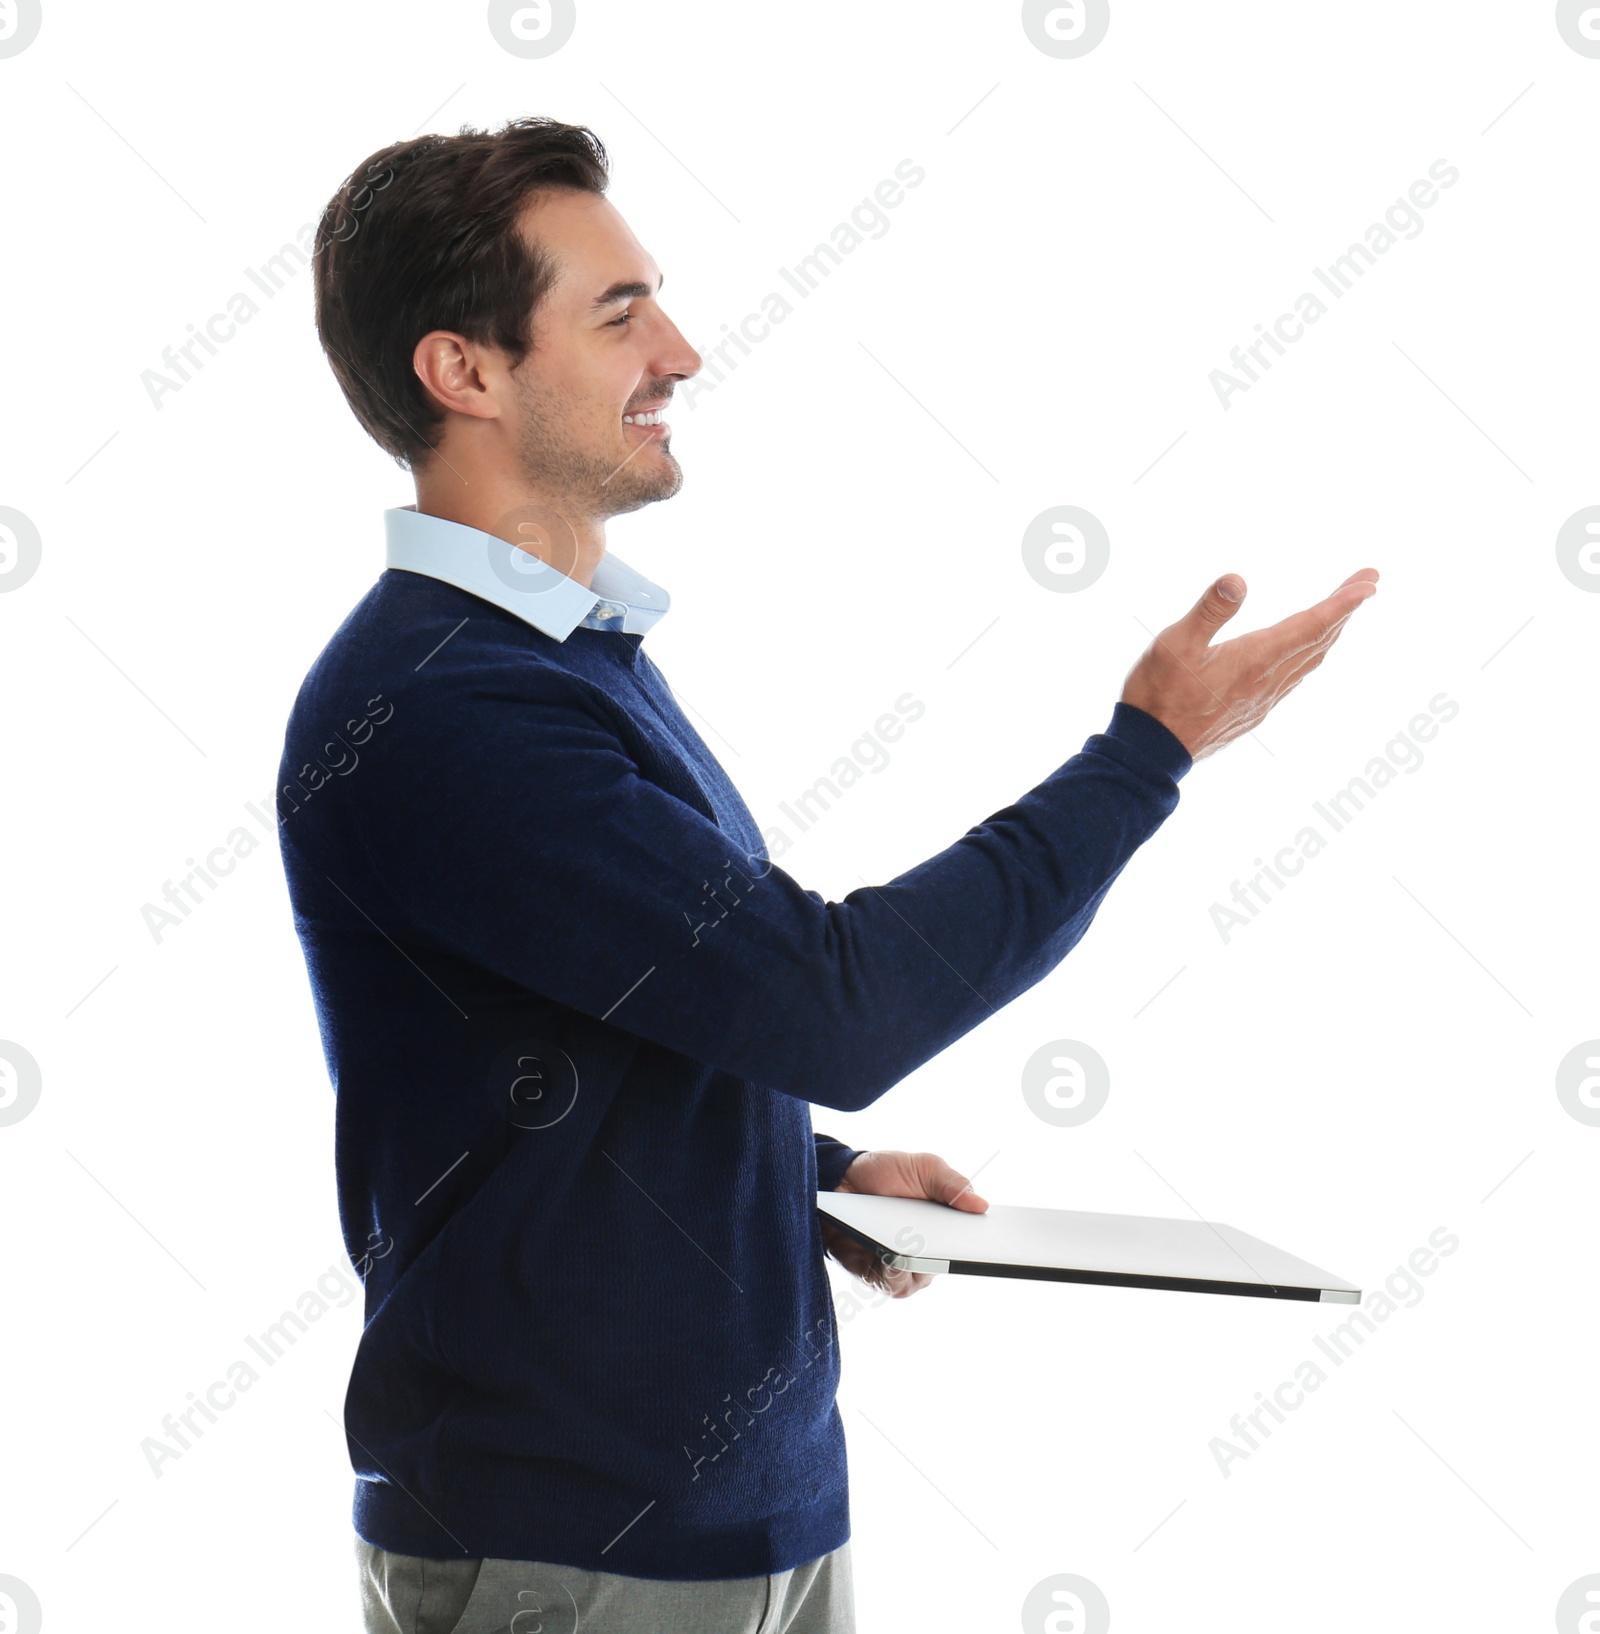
1365,1061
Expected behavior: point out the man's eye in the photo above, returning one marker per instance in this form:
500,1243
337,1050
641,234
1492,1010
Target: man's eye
615,321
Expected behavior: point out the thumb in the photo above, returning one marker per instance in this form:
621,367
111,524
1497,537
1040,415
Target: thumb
1215,607
943,1184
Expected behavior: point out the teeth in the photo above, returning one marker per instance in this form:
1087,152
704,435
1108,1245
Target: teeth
654,418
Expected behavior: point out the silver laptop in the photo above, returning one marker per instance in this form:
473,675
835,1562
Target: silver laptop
1061,1245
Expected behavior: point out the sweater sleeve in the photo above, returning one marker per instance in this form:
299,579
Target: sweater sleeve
519,834
833,1158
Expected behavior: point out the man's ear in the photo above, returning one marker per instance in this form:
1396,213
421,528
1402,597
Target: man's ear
457,375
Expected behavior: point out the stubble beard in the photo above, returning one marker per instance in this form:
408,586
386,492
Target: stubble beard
584,485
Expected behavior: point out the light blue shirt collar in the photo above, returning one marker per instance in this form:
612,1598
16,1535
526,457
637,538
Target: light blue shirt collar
518,581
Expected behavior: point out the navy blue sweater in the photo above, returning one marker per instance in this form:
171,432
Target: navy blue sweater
574,1016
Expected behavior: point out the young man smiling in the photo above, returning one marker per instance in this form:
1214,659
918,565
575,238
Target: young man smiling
576,1168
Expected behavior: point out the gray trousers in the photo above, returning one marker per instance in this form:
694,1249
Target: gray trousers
404,1594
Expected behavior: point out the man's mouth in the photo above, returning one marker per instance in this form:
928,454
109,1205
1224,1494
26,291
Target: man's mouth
647,417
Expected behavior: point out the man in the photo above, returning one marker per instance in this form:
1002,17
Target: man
573,1013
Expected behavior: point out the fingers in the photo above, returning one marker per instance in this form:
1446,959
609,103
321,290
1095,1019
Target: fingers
855,1257
1213,610
945,1185
1303,630
1313,646
1295,673
911,1174
1283,677
1334,609
897,1284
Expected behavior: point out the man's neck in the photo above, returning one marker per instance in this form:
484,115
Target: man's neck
570,543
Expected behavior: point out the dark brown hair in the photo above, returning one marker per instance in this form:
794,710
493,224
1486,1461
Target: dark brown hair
423,235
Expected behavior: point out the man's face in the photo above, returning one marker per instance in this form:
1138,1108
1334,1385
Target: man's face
602,349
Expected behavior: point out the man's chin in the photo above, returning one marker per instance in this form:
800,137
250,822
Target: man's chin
631,489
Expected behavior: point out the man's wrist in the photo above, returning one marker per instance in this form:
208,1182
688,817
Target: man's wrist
834,1159
1134,725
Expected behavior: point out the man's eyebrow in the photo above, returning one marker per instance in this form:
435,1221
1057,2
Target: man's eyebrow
624,292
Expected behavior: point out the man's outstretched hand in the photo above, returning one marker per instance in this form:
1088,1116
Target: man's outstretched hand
1206,696
897,1174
